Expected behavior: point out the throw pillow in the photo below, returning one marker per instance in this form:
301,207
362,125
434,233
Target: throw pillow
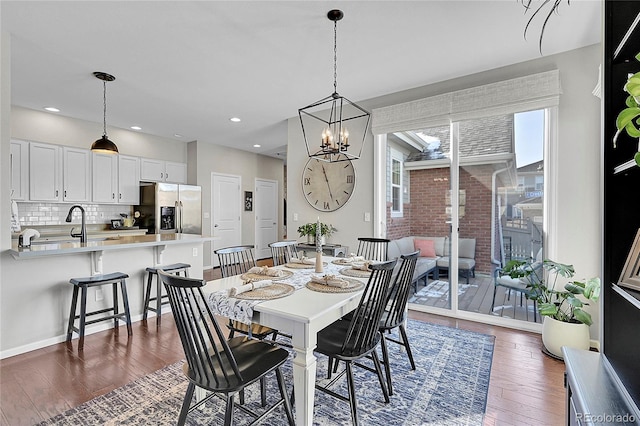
427,247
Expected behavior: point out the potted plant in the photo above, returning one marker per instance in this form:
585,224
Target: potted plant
309,230
628,119
565,322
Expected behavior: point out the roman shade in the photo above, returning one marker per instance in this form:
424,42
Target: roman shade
520,94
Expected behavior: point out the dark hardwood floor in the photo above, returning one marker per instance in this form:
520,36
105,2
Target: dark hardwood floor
526,387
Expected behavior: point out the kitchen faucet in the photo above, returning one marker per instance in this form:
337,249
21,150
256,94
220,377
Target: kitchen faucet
83,228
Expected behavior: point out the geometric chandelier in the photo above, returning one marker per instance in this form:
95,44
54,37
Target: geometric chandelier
334,128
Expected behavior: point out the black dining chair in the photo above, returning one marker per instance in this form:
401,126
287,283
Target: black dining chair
357,338
373,248
235,260
238,260
223,367
395,313
283,251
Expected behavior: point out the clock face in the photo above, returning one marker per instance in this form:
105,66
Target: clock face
328,186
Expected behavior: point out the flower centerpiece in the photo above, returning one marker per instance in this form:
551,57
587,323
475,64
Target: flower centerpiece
309,230
566,323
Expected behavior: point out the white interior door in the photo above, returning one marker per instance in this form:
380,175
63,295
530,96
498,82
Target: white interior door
226,217
266,208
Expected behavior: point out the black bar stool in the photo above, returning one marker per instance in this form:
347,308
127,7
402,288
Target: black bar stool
114,279
174,268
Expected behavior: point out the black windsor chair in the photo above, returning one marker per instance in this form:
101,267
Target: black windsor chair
351,340
395,313
283,251
223,367
237,260
373,248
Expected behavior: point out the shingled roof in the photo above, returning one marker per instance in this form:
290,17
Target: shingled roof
489,135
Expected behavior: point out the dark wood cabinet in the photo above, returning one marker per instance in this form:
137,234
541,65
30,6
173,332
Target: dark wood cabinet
593,394
621,204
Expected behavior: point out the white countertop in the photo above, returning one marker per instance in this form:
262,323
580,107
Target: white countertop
51,248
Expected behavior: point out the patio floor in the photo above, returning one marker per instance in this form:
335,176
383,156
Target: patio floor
475,297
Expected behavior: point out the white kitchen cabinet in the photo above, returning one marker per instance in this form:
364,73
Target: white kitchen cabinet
116,179
45,172
175,172
19,170
152,170
128,180
76,174
105,178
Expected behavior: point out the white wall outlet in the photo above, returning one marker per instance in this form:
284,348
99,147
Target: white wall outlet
99,295
205,215
367,217
295,217
195,251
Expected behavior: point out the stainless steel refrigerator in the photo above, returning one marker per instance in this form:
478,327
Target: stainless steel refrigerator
170,208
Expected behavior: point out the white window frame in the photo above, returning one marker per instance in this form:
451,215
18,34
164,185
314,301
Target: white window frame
398,157
537,91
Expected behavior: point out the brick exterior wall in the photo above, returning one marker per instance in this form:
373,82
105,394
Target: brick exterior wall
427,210
398,227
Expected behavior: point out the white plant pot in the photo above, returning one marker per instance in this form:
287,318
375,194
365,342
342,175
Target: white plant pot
556,334
312,240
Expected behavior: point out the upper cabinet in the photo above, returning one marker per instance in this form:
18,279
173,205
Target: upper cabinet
105,178
175,172
53,173
162,171
76,173
128,179
116,179
45,172
19,170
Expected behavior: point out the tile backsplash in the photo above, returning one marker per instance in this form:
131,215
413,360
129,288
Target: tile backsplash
34,214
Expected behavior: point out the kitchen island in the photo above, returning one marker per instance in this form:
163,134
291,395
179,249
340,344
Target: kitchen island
36,293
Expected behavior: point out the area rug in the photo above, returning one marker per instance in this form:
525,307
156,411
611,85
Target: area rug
449,387
436,289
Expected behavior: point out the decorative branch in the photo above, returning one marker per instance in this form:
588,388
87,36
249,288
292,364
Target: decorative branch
554,5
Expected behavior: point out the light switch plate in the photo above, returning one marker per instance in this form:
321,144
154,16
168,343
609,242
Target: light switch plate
367,217
195,251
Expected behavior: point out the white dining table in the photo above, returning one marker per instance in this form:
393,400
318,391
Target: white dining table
301,314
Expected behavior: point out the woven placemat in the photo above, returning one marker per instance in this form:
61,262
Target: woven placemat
302,265
343,262
354,285
258,277
273,291
358,273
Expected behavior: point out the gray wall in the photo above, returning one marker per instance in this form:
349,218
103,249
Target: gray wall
40,126
208,158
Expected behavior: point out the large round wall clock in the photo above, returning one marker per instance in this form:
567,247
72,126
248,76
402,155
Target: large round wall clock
328,186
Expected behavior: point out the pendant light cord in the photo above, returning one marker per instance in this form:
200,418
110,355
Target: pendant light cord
335,56
104,115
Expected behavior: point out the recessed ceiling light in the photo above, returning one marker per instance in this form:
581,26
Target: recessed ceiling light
257,145
235,119
52,109
177,135
136,127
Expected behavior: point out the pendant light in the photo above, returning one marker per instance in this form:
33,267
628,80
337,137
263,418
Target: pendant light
334,124
103,144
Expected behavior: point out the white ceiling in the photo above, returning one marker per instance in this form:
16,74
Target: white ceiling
186,67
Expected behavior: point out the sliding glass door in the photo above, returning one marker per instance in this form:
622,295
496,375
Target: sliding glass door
476,191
